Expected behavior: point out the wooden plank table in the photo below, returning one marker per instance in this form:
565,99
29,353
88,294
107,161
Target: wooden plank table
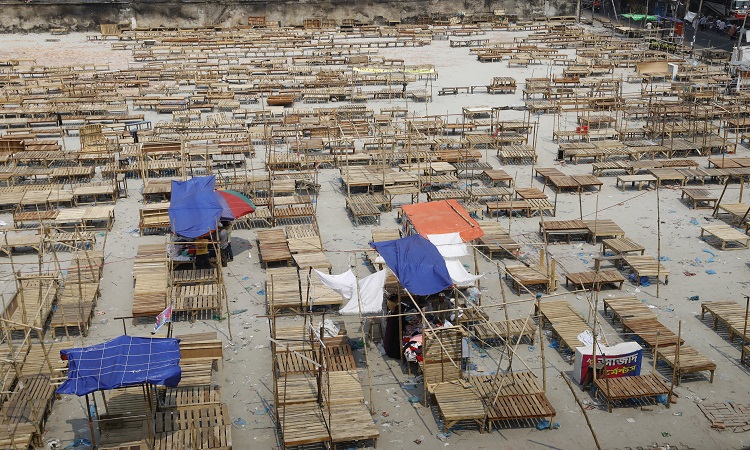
273,247
625,388
730,314
667,174
603,227
457,403
728,237
520,398
627,308
646,266
633,179
701,198
524,276
595,279
651,331
513,328
567,228
312,260
622,246
691,361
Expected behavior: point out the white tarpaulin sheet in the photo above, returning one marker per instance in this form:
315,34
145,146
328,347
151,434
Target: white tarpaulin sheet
370,291
451,247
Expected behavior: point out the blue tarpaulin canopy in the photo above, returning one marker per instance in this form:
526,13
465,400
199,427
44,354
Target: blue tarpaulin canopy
417,263
123,361
195,208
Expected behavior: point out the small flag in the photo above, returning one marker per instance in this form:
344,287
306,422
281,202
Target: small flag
164,317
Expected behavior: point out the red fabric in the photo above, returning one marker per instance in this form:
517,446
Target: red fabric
445,216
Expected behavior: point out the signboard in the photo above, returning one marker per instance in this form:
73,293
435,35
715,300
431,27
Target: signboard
623,360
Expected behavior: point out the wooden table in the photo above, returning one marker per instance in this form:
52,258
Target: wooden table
691,361
312,260
646,266
457,403
529,276
651,331
625,388
726,235
731,314
603,227
514,328
622,246
595,279
565,228
633,179
699,196
627,308
667,174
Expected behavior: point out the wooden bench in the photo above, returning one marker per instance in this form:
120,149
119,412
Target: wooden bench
633,387
633,179
727,236
594,279
690,361
701,198
646,266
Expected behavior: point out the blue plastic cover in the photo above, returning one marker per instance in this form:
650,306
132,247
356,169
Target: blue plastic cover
194,210
417,263
123,361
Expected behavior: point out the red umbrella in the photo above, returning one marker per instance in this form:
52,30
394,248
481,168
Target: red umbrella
238,203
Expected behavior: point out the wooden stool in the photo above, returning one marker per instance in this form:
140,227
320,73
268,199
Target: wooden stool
372,323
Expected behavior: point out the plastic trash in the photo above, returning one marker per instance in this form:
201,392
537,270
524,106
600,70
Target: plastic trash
413,399
261,292
665,258
694,298
665,434
693,221
554,344
544,425
239,422
531,348
79,442
645,282
662,399
711,272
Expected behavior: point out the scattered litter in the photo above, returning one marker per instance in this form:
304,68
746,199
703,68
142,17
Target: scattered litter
239,422
630,420
668,309
443,437
645,282
679,413
710,252
554,344
385,414
711,272
689,274
665,258
245,278
665,434
693,221
694,298
79,442
544,425
414,399
419,441
531,348
261,292
661,399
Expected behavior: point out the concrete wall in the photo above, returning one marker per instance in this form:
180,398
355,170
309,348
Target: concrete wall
83,15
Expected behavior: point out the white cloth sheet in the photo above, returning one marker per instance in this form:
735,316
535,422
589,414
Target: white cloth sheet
371,291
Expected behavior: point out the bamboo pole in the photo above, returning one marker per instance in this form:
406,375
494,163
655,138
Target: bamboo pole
744,329
675,363
364,335
583,410
658,243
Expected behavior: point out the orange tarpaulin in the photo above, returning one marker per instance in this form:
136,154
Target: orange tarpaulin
445,216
